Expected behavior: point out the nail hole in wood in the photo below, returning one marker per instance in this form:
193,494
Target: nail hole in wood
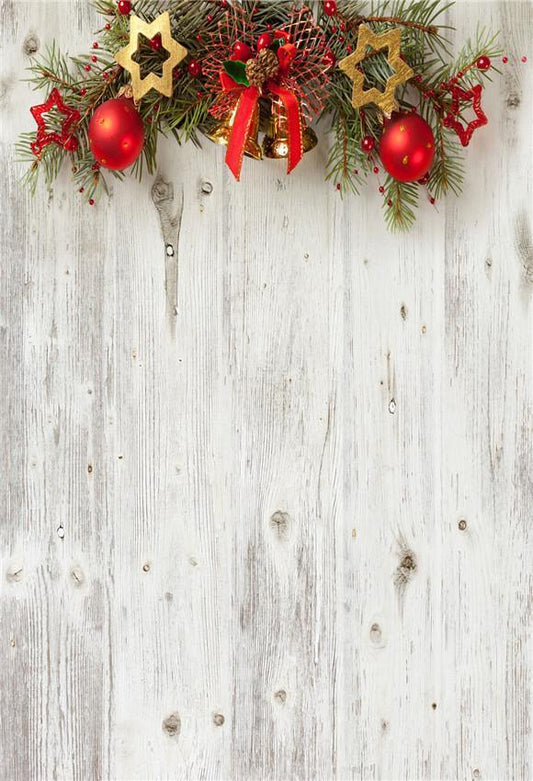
281,696
462,524
77,576
392,406
434,705
146,567
170,250
218,719
476,773
14,573
90,468
60,532
172,725
403,312
207,188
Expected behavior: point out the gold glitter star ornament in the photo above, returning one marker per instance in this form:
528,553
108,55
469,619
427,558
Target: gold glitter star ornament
176,51
366,39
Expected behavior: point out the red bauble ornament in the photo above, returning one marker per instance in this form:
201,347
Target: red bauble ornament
367,143
330,7
156,43
116,134
241,51
264,41
194,68
483,63
407,147
124,7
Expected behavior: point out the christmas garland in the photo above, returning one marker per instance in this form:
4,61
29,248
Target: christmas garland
381,74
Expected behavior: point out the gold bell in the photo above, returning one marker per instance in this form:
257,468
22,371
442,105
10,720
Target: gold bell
276,141
222,132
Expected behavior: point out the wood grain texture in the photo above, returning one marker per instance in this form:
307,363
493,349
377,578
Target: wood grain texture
270,517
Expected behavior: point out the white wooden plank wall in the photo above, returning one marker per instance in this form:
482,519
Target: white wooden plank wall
282,528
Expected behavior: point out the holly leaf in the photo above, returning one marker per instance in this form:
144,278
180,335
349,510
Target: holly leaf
236,69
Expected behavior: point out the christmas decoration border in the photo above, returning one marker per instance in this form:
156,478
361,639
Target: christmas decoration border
322,82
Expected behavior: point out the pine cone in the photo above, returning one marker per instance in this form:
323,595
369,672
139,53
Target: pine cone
264,66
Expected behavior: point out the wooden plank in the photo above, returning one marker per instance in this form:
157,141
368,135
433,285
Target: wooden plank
267,495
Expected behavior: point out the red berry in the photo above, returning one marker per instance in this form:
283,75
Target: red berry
156,43
367,144
264,41
199,38
87,68
108,26
424,180
83,91
376,169
524,58
330,7
94,58
95,45
483,63
505,60
241,51
91,201
124,7
389,203
432,200
209,17
81,190
339,186
194,68
329,59
382,189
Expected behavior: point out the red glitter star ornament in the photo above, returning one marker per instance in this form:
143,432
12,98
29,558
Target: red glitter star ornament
461,96
65,138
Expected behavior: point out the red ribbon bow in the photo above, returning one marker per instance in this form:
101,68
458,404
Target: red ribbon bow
246,106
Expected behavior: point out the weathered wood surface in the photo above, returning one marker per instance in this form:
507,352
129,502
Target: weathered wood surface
281,526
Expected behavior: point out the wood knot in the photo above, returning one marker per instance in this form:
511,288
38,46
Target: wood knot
172,725
281,696
513,100
31,44
405,569
376,634
162,191
218,719
280,524
434,706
